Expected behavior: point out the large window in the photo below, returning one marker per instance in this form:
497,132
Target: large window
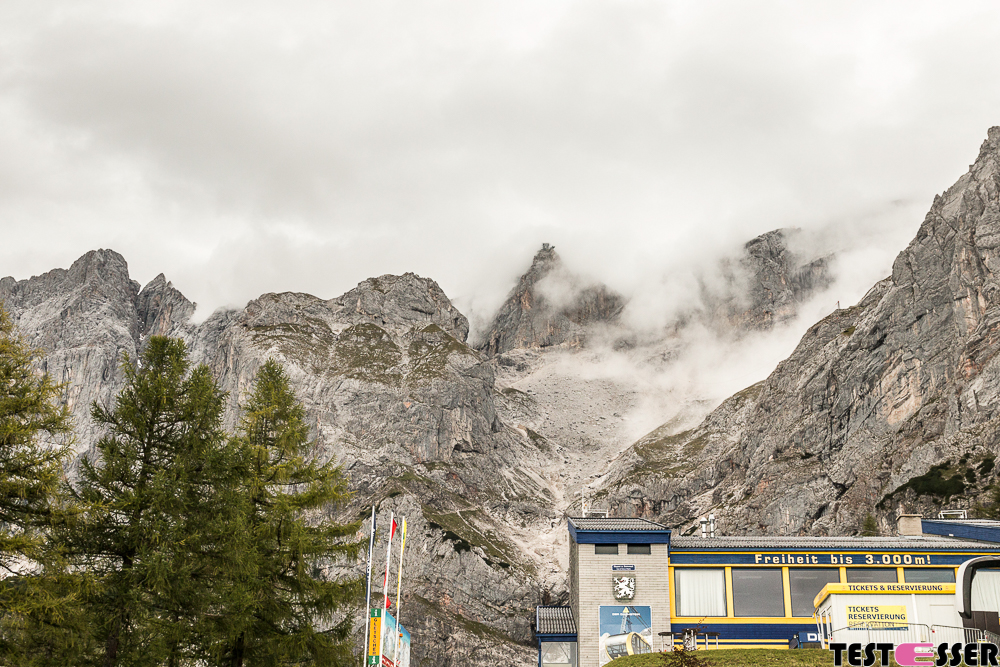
985,590
871,575
605,548
758,592
558,654
806,583
642,549
929,575
700,591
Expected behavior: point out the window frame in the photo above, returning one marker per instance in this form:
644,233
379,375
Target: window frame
792,571
762,571
679,572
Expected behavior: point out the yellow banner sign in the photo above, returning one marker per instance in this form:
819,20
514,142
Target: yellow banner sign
876,615
374,635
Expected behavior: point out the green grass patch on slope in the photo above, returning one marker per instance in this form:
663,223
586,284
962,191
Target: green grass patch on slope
941,481
307,341
733,657
429,353
366,352
464,535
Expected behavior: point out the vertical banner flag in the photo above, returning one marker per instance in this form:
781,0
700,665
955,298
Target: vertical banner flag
388,557
368,584
374,637
385,582
399,583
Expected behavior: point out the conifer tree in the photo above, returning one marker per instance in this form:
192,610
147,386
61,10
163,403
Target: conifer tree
155,509
35,596
280,610
30,464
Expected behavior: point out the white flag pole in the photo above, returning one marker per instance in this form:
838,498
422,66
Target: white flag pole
385,585
399,583
368,592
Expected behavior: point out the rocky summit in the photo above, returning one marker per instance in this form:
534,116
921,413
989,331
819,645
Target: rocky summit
889,405
549,306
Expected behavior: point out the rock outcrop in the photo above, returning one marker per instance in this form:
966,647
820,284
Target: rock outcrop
889,404
771,281
549,306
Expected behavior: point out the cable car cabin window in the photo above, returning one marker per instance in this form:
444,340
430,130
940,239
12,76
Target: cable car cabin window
642,549
929,575
871,575
758,592
806,583
606,549
700,591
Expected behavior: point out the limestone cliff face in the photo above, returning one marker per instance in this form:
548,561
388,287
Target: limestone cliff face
549,307
872,398
770,281
394,394
86,319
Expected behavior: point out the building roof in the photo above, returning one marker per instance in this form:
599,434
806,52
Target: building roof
984,530
554,621
991,523
923,543
615,524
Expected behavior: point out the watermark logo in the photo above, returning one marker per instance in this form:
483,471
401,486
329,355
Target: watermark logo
916,654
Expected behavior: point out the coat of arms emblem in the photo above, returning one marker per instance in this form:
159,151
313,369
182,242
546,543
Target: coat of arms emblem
624,587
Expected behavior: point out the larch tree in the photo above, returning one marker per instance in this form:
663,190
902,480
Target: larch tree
281,610
34,445
156,516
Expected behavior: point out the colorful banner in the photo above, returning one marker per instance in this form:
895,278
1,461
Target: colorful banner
624,630
388,639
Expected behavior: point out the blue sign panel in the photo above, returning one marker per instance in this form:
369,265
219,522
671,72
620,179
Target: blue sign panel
623,568
813,559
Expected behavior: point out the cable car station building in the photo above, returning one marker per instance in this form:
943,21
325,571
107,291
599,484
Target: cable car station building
635,589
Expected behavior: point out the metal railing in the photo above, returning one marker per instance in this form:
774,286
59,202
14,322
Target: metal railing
883,633
952,634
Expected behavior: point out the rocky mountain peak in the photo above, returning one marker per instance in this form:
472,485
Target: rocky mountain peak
549,306
772,281
160,307
400,303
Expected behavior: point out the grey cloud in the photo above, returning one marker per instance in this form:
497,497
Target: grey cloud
244,147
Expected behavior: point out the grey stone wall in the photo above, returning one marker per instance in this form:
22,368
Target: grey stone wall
592,578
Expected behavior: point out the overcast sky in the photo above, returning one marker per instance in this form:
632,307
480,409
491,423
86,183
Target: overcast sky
242,147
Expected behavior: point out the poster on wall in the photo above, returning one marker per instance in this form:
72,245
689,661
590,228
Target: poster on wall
625,630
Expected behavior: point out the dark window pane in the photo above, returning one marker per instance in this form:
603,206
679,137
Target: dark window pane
639,549
758,592
806,583
871,575
605,548
929,575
